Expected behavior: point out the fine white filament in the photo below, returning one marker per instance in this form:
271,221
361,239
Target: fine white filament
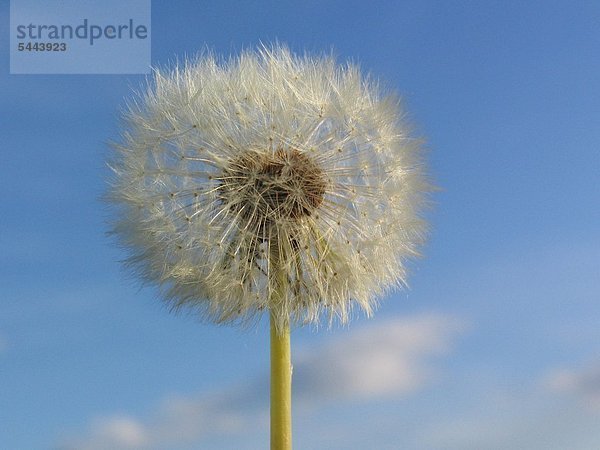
268,173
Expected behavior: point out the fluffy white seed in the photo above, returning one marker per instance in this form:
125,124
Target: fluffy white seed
268,182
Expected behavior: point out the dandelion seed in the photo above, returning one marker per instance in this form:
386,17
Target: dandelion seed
227,168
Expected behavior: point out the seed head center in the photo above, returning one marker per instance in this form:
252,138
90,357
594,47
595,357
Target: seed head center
265,188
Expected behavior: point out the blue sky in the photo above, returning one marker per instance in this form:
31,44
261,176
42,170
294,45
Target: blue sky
495,346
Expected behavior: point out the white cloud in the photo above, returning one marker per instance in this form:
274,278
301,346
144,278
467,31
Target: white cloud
380,359
532,423
543,414
177,421
527,419
391,358
583,384
118,431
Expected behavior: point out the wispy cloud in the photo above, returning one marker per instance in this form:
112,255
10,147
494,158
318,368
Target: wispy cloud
532,422
545,413
385,358
392,357
583,384
118,431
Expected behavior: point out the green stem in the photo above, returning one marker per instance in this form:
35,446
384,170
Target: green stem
281,364
281,388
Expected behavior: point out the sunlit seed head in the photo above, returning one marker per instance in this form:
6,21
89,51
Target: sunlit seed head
268,182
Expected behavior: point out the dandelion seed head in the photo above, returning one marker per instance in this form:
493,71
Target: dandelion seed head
268,182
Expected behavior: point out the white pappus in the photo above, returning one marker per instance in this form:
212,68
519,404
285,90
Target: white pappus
268,182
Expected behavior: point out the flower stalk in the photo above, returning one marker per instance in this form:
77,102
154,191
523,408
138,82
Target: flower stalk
281,387
281,363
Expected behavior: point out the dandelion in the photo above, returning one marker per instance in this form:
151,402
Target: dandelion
268,183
